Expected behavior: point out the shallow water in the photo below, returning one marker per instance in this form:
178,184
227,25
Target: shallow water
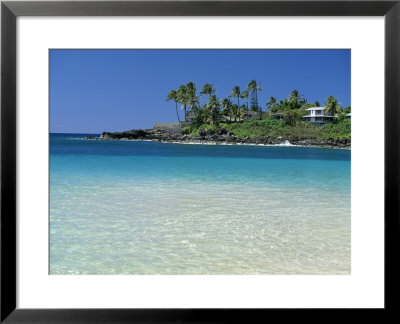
156,208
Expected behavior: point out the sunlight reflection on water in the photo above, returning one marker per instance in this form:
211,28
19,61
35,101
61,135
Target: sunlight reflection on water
177,227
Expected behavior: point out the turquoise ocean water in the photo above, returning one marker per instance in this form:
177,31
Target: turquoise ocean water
119,207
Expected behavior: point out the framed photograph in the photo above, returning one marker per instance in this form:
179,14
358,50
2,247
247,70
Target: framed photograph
188,161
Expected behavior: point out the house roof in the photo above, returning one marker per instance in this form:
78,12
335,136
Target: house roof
251,112
349,114
316,108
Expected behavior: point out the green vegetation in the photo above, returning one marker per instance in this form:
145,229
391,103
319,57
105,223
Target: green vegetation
332,106
254,88
283,118
208,89
277,128
215,110
339,130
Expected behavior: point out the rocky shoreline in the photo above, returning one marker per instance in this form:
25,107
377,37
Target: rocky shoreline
219,136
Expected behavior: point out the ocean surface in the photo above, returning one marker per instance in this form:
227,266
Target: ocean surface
136,207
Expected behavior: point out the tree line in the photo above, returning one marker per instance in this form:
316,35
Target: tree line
214,110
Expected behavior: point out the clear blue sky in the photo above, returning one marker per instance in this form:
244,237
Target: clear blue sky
113,90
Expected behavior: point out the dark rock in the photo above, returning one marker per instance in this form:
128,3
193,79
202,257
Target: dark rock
220,131
220,135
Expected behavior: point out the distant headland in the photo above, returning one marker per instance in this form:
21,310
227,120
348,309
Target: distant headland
292,121
178,133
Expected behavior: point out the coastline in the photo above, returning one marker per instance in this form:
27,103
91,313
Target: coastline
212,138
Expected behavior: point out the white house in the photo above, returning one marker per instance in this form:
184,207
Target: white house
317,116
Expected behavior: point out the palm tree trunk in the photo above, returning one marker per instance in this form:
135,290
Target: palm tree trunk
258,108
176,109
185,113
238,111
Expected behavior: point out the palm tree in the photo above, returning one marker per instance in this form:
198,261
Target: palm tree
208,89
191,88
245,95
182,98
227,105
242,111
296,98
271,103
173,95
213,107
192,99
254,87
332,106
236,94
233,112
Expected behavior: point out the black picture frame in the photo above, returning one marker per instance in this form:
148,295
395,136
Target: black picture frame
11,10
